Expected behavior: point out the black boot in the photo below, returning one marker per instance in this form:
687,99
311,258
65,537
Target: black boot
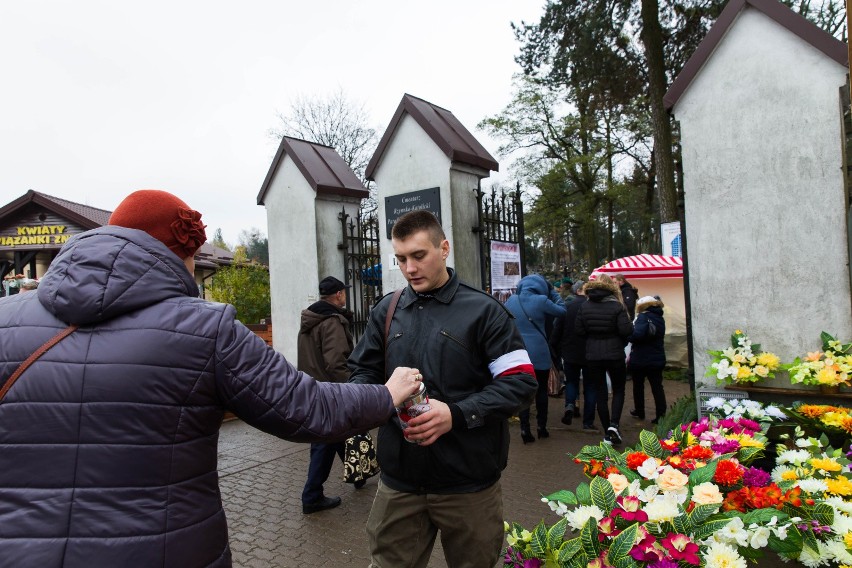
543,433
527,437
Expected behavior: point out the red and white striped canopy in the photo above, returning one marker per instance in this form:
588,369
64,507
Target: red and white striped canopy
643,266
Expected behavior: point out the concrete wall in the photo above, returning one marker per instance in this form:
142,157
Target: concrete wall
411,162
463,181
765,213
293,258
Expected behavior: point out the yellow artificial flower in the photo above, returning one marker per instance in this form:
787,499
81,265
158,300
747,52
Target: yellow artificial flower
839,486
744,373
833,419
769,360
749,442
739,358
847,539
826,464
790,475
827,376
761,371
738,332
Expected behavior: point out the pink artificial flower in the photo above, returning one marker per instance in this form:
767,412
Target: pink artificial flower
629,509
680,547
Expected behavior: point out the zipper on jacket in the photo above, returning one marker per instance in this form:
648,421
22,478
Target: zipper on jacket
446,334
394,337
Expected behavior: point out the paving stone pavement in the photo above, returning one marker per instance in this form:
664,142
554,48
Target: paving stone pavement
261,479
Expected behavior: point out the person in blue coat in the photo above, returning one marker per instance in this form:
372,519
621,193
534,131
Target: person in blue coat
533,303
648,356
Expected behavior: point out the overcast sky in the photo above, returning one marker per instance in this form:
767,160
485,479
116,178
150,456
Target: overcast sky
98,99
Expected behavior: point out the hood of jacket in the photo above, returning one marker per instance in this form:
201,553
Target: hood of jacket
597,291
532,284
317,312
653,307
109,271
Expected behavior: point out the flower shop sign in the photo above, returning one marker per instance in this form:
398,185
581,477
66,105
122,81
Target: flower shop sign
21,236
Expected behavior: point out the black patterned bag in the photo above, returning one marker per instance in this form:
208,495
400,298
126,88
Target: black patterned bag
359,458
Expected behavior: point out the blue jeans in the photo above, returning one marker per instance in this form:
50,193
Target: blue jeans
322,458
572,391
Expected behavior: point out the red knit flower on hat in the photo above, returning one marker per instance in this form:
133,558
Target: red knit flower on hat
188,230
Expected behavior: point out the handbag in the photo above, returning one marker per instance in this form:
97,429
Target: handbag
359,458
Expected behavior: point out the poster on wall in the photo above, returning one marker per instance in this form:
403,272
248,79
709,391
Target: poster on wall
670,238
398,205
505,269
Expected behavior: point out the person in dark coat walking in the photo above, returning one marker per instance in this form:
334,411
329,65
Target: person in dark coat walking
324,345
628,294
531,305
110,438
648,356
572,349
604,322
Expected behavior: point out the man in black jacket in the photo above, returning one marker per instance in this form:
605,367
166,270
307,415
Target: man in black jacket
628,294
442,471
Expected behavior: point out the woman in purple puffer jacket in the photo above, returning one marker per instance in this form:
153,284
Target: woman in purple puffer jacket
108,442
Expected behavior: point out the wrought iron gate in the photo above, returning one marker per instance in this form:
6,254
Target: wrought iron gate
501,218
362,266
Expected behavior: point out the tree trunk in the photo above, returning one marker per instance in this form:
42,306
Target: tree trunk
652,39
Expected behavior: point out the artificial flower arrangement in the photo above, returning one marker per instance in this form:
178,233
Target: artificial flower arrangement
684,501
835,421
743,362
830,367
745,408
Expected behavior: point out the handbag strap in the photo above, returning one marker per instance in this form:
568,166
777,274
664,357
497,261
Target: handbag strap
553,356
35,355
388,318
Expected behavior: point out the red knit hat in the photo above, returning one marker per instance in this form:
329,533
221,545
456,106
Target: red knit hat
164,217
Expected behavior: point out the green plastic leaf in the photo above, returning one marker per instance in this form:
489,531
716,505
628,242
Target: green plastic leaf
810,540
626,562
708,528
824,513
556,534
569,549
790,545
681,524
622,544
701,513
750,553
603,495
650,444
589,538
702,474
748,455
563,496
763,516
538,541
584,494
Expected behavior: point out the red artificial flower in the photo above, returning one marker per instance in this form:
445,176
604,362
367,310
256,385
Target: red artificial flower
728,473
697,453
670,445
593,468
635,459
680,547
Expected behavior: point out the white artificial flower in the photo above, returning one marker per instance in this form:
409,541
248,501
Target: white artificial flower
720,555
842,523
760,537
649,469
714,402
812,485
775,412
797,457
836,550
722,369
750,404
579,516
813,559
839,504
663,508
778,472
734,531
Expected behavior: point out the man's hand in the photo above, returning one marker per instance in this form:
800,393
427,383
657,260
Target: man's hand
430,426
404,382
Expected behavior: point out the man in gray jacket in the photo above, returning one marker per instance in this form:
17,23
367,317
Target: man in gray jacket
108,441
324,344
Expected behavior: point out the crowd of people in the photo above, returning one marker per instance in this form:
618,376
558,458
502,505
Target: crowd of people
125,375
